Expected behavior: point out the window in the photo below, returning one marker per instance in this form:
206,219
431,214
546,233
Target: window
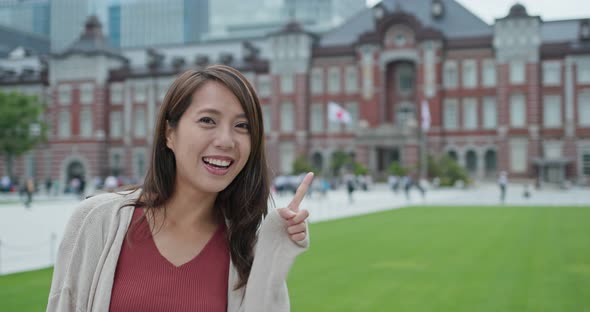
450,75
264,86
583,71
489,73
517,72
287,154
450,113
551,73
334,80
552,150
405,76
86,93
115,160
65,94
317,81
116,93
334,126
267,118
584,108
353,110
86,123
400,40
317,117
139,163
517,111
64,128
351,79
139,123
162,93
139,93
405,113
469,113
469,74
116,126
251,77
287,84
162,88
552,111
586,162
287,116
518,156
490,113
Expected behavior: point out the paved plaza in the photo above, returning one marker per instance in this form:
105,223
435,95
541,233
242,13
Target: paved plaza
29,237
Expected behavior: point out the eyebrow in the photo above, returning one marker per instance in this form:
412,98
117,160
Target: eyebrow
216,112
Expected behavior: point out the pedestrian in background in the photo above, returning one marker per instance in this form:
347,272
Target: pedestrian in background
349,180
503,184
29,190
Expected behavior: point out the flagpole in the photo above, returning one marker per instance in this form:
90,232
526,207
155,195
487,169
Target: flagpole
425,125
423,155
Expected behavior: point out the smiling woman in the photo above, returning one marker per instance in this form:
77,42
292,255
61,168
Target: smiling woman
186,239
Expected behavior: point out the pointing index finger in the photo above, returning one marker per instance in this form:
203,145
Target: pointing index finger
301,190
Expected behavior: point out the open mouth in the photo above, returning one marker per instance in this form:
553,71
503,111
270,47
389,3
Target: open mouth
217,163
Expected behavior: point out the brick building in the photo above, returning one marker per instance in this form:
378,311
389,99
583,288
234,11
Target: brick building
511,96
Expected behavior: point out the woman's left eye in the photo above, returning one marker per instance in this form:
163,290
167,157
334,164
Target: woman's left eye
244,125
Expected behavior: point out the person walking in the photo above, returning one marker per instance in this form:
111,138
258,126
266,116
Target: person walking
349,180
503,184
29,190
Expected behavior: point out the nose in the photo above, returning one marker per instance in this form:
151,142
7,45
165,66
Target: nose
224,139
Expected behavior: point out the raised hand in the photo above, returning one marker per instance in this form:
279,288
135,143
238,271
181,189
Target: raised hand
294,217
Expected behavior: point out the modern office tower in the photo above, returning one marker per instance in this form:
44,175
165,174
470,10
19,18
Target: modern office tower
26,15
135,23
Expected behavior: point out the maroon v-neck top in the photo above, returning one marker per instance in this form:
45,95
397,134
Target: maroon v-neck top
145,281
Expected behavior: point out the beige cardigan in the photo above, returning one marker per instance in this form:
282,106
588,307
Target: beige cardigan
87,259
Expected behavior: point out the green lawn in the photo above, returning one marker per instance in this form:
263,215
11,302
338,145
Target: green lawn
448,259
422,259
25,292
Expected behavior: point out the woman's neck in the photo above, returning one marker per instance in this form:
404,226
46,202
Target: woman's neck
188,208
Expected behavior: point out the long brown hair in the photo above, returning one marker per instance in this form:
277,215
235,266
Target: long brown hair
245,201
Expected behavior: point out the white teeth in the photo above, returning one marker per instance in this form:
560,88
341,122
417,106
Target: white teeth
217,162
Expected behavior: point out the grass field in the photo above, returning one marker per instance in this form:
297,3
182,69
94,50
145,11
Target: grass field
25,291
422,259
448,259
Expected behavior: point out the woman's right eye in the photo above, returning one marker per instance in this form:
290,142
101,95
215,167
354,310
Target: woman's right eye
207,120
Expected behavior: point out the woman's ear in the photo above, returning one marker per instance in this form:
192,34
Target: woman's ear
169,136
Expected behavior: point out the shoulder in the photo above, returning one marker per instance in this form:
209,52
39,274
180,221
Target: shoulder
101,207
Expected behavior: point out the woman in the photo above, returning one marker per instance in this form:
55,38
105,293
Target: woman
193,237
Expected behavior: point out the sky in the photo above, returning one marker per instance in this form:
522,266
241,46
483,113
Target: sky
488,10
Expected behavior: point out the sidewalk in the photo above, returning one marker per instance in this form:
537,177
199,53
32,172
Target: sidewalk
29,237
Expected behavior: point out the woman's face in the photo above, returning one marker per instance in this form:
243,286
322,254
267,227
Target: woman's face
211,142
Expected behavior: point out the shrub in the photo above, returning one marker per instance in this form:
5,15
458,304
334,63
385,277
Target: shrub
302,165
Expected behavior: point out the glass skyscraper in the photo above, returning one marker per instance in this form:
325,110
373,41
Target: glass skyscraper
137,23
26,15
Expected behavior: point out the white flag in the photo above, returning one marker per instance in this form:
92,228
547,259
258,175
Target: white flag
337,113
425,115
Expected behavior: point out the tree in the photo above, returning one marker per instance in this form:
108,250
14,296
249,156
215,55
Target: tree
447,170
302,165
359,169
21,126
397,170
341,160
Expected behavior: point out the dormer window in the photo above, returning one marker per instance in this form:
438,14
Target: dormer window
378,12
400,40
437,9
